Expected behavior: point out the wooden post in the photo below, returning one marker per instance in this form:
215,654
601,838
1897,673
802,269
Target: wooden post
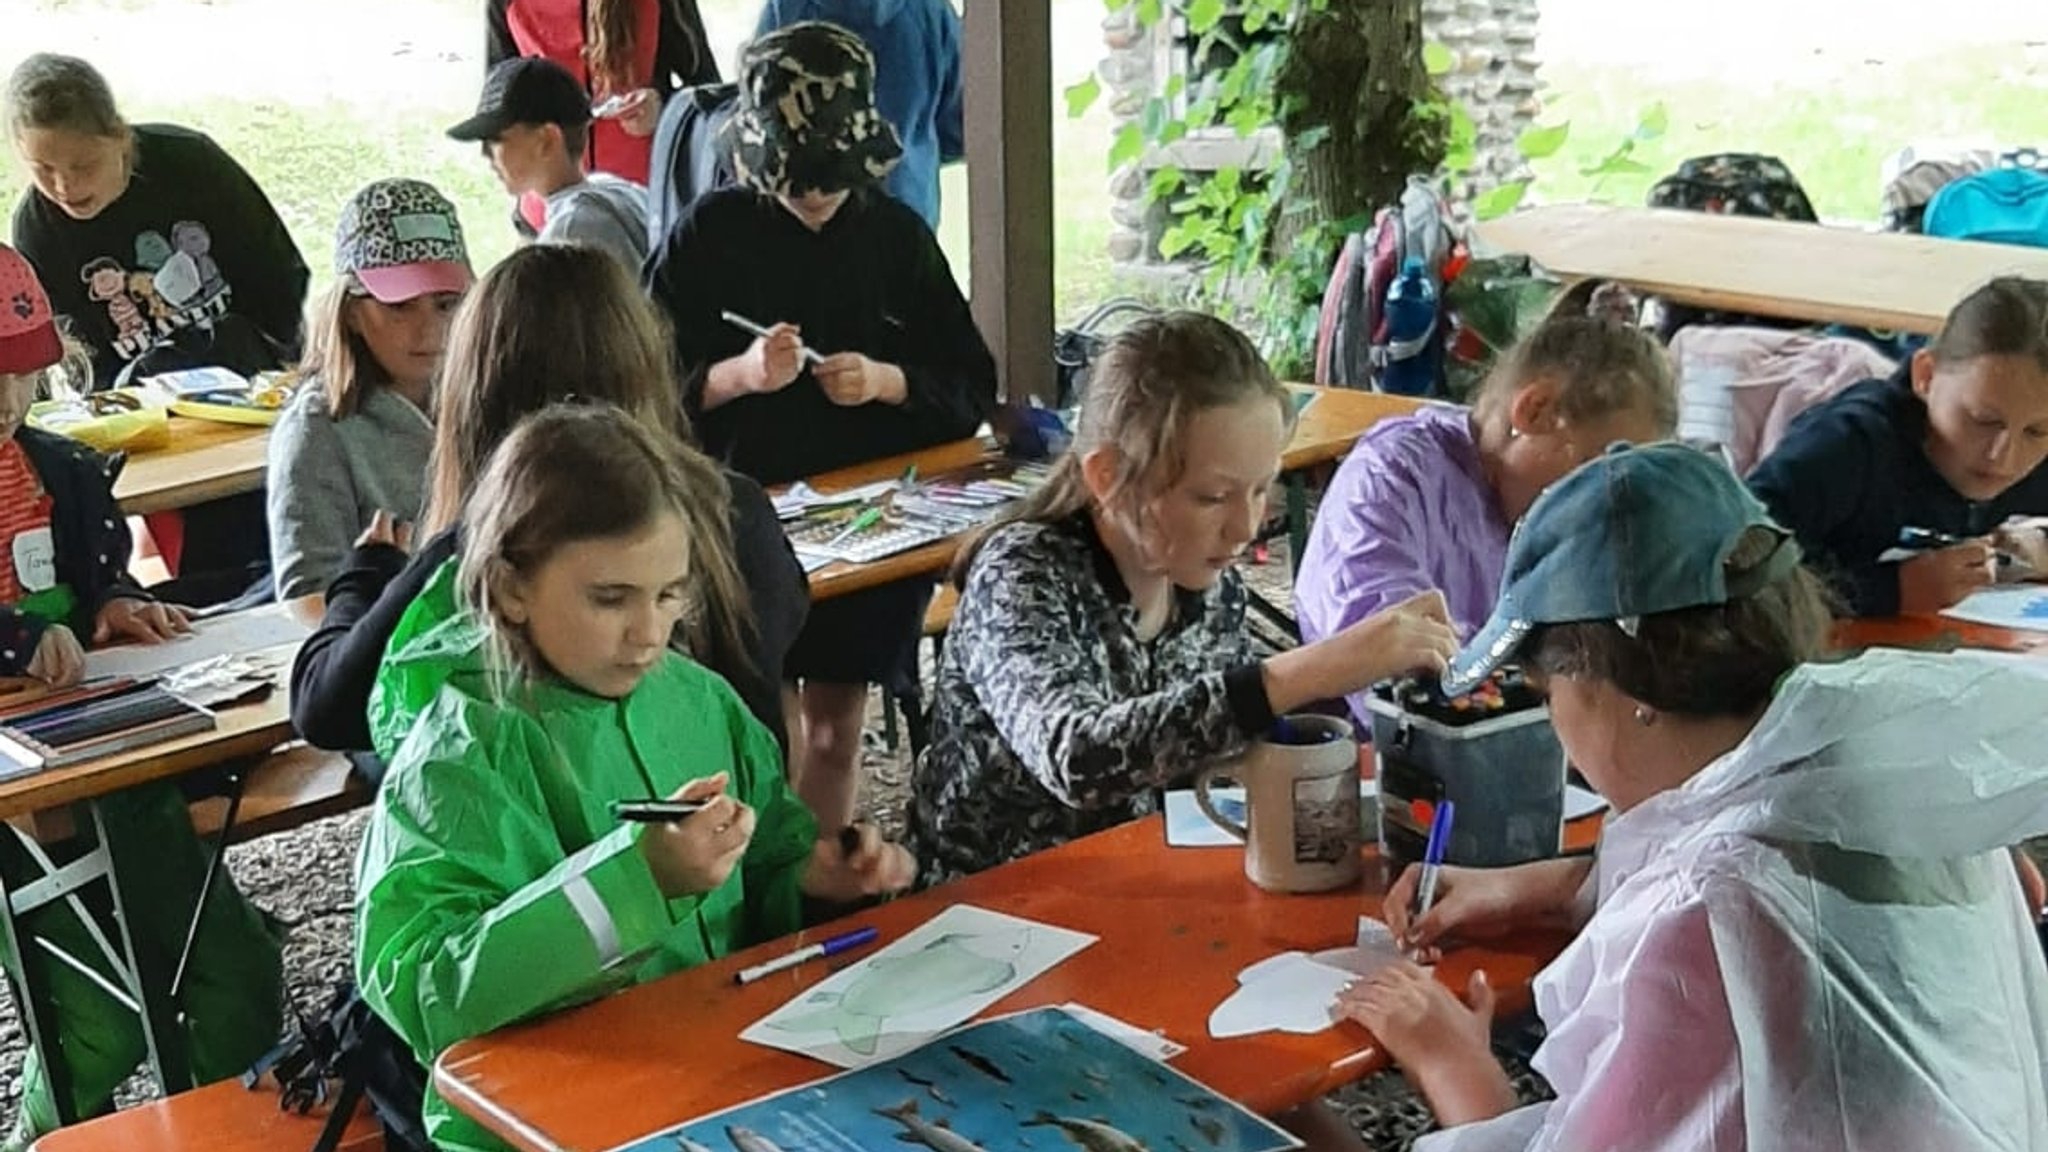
1007,73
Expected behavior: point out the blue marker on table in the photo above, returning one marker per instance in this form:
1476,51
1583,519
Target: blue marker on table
845,941
1433,857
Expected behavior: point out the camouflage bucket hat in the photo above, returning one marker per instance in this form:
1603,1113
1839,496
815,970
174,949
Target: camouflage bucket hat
806,118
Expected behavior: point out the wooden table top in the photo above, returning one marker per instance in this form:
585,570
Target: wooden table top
1882,280
1327,428
1175,927
244,730
1936,632
206,460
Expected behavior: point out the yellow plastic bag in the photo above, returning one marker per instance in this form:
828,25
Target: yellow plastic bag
106,422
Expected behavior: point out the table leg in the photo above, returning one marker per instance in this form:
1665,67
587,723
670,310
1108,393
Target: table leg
1297,519
150,970
31,881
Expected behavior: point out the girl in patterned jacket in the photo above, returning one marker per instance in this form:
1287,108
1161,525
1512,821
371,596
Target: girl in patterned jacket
1099,652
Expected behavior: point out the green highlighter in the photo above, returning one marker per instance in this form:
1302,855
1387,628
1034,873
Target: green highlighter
861,523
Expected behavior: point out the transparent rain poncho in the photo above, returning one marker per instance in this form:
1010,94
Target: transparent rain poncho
1819,942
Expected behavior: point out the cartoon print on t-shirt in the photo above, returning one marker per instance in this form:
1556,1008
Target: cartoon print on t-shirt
177,284
142,286
107,282
192,240
152,250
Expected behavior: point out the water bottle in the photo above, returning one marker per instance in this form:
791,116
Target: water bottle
1414,355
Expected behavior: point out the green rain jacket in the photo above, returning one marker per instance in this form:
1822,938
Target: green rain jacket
493,883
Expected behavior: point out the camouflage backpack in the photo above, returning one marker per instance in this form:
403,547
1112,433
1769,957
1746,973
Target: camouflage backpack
1730,184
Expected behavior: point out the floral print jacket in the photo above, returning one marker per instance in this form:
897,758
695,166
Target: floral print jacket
1052,719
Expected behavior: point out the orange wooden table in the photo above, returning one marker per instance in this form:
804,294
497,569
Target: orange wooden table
1936,632
1328,426
206,460
1174,928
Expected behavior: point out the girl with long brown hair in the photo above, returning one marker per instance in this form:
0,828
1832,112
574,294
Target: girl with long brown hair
530,689
552,323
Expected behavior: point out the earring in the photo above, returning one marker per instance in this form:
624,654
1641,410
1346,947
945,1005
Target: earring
1645,716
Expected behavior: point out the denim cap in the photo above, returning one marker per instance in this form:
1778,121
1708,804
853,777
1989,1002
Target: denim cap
1634,532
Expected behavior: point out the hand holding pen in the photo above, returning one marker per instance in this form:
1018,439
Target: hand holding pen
858,864
1947,569
777,356
696,852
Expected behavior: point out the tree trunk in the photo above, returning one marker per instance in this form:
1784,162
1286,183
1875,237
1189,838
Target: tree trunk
1355,68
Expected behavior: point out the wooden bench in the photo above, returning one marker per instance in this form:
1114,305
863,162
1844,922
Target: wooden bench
295,786
222,1117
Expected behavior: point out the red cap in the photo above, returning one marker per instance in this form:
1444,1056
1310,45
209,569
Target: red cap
28,329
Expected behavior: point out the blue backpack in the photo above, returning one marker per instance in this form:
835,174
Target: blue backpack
2006,205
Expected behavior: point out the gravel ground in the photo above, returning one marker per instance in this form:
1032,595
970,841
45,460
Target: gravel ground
302,877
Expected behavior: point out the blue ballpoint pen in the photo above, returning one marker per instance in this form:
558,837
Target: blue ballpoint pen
843,942
1433,857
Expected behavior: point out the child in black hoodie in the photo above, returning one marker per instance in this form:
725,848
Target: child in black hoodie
1956,442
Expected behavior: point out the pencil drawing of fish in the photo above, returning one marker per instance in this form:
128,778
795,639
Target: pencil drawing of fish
1211,1130
685,1144
936,1136
1088,1135
946,970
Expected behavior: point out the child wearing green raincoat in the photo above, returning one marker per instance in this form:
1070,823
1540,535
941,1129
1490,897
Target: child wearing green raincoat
530,686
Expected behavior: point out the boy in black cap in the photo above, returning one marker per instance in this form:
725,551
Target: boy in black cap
534,123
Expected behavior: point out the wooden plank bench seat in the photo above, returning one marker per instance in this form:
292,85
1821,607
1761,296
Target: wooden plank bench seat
295,786
221,1117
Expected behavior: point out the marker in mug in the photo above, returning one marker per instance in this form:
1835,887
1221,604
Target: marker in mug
833,947
809,354
1433,857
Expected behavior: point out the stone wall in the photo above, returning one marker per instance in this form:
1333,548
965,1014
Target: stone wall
1493,47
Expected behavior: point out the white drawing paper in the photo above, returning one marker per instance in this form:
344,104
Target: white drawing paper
950,969
2022,606
235,634
1579,802
1296,991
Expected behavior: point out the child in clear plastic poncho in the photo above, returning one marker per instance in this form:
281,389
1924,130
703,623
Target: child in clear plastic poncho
1803,930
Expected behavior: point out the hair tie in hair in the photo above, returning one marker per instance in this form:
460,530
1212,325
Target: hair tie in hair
1614,301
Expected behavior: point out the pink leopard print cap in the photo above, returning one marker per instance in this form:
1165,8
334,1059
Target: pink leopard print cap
28,332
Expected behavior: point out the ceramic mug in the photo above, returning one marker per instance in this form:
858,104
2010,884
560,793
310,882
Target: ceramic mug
1302,827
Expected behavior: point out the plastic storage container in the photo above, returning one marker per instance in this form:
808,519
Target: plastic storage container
1504,770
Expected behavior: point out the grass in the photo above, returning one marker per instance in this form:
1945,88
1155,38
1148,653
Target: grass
394,73
1834,127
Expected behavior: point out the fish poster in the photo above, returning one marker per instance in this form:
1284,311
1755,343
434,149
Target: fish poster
938,977
2021,606
1039,1081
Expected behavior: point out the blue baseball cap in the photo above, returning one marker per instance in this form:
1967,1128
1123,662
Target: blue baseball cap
1634,532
